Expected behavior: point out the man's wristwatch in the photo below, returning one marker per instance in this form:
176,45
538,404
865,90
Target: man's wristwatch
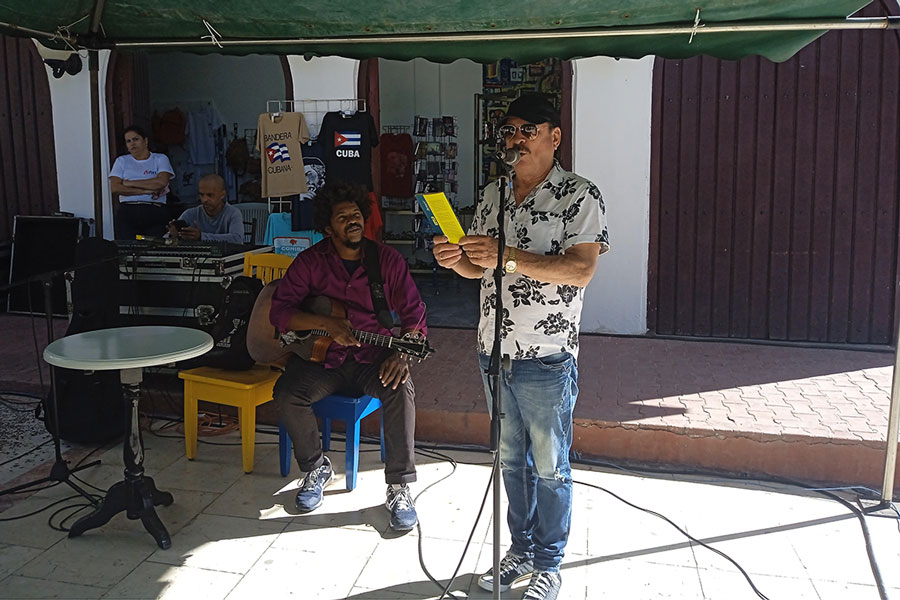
511,263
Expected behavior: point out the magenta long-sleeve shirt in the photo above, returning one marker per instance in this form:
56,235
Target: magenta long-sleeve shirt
319,271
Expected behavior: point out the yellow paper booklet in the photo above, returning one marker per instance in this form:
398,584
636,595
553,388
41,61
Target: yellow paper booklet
438,210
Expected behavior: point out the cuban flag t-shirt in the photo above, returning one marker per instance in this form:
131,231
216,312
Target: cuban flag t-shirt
348,141
279,141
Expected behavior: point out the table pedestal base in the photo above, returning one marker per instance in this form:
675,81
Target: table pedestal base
136,495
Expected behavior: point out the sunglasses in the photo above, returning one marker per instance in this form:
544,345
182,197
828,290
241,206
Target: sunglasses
529,130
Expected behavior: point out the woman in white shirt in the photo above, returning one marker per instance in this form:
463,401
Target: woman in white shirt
141,179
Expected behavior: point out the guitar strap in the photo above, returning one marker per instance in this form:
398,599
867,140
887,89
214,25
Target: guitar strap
372,264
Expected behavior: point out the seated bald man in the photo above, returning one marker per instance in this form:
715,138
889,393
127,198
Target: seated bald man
214,220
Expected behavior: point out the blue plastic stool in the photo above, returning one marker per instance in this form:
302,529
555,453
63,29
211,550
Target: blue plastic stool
344,408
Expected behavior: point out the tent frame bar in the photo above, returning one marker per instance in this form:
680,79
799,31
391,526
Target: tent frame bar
890,453
702,28
37,33
94,67
599,32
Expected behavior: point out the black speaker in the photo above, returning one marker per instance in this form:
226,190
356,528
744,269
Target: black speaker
95,287
42,245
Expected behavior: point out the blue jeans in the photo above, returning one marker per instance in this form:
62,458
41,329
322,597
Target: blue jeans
537,399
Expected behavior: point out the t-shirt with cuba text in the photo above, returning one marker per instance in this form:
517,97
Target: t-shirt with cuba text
278,139
348,141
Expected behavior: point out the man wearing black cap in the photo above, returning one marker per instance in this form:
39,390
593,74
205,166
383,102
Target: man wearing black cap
555,231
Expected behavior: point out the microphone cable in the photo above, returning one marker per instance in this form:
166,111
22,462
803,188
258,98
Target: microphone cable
76,507
445,590
681,531
445,593
432,451
576,459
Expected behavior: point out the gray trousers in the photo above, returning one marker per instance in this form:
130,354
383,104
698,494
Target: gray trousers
304,383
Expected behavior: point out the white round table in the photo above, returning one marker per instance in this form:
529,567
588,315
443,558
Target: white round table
129,349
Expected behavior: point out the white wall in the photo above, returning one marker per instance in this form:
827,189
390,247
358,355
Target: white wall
71,100
611,114
419,87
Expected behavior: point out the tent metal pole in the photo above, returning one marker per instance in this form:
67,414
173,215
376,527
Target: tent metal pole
599,32
96,15
890,451
94,66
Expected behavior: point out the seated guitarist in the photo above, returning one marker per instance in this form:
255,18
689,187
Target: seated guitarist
334,268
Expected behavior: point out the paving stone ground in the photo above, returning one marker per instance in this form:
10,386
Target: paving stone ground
810,413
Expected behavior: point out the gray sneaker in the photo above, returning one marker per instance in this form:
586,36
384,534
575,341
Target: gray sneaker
399,502
544,586
309,498
514,569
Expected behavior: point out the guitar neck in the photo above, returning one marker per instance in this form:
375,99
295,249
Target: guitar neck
366,337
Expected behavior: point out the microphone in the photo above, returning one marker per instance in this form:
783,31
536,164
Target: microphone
508,156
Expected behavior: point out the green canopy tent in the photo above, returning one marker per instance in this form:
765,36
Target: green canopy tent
442,31
439,30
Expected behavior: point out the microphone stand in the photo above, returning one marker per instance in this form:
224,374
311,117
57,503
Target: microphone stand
494,368
60,470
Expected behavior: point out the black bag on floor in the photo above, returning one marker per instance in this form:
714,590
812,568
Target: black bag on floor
229,332
90,404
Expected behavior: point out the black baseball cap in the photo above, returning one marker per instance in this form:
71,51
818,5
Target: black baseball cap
534,109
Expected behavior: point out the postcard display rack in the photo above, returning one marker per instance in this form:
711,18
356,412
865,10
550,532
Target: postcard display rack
435,169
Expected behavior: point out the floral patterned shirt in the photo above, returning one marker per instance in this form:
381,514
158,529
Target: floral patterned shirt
539,318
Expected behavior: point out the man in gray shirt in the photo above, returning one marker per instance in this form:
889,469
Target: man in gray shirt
214,220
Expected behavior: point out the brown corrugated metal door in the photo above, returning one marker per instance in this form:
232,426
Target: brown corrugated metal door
27,152
774,194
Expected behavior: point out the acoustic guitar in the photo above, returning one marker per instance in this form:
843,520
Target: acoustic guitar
267,346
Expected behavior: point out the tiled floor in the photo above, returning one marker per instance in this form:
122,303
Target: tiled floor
237,535
815,414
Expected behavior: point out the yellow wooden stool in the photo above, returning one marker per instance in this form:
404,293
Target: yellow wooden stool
244,389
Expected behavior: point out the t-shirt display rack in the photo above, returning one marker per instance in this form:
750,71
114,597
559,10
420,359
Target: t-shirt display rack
313,110
279,223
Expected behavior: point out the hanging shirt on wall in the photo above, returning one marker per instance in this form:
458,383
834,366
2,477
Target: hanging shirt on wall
202,123
396,165
348,143
314,165
279,142
374,223
302,207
